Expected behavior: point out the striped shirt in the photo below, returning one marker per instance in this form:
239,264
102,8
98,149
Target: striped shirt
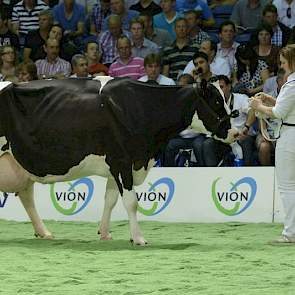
47,68
178,58
134,69
107,44
98,16
27,19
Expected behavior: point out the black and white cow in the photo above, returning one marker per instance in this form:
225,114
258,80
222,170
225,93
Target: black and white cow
59,130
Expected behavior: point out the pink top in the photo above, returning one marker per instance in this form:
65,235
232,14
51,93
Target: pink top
134,69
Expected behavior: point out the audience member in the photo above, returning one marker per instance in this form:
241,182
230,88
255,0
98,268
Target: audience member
152,67
146,6
80,66
202,67
198,5
218,65
167,18
264,49
7,37
36,39
118,8
107,40
193,18
92,54
211,151
247,13
286,12
251,72
159,36
227,46
8,63
179,53
141,46
126,65
27,71
185,79
52,66
25,17
71,16
281,33
100,11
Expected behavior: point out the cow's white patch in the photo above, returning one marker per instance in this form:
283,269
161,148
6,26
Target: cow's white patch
103,80
4,85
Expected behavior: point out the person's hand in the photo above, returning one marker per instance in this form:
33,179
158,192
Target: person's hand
262,96
255,103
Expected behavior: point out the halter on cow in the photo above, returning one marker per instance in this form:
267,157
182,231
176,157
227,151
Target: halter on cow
60,130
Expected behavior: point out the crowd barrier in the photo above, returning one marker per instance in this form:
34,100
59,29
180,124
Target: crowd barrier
239,194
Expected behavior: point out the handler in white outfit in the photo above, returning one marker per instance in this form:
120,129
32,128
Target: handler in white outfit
284,108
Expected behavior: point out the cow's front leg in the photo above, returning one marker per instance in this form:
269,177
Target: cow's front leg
111,198
27,198
131,204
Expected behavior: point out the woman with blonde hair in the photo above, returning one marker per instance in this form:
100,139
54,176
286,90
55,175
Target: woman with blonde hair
283,108
27,71
8,62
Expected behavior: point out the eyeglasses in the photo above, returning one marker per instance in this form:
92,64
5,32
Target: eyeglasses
289,12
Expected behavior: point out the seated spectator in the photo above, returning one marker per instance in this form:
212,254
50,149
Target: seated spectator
52,66
167,18
25,17
185,79
159,36
141,46
80,66
202,67
36,39
264,49
218,65
146,6
7,37
67,48
107,40
186,139
118,8
100,11
281,33
152,67
266,148
212,152
227,46
286,13
179,53
184,5
27,71
126,65
247,13
71,16
8,62
251,72
193,18
95,68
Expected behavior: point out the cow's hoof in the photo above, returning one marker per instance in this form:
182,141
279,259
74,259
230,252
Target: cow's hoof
107,237
44,237
139,242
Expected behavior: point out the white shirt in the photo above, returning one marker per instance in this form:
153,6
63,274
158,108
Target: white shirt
162,80
228,53
284,108
241,103
219,66
282,7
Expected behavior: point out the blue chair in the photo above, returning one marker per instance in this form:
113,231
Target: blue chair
222,13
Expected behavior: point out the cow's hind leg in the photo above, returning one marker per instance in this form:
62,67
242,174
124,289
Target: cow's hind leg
27,198
130,204
111,198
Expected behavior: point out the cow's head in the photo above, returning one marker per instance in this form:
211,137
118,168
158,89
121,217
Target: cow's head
212,109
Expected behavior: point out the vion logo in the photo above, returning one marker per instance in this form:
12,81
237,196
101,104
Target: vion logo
235,199
3,199
157,198
74,198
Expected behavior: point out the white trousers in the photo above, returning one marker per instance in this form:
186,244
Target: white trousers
285,170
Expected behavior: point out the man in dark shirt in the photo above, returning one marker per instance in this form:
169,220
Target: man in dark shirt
147,6
6,36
